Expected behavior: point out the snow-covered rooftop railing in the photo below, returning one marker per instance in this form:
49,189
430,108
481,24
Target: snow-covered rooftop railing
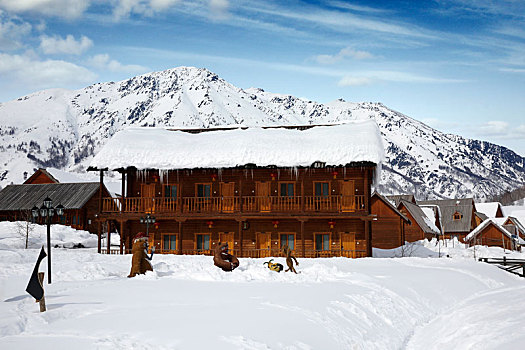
157,148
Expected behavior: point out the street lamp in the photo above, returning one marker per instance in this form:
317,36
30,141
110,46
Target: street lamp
147,220
47,211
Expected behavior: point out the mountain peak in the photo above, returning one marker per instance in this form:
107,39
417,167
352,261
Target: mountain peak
76,124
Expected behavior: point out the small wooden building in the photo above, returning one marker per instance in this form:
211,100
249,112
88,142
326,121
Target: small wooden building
457,216
80,200
491,234
41,176
423,226
256,188
389,228
490,209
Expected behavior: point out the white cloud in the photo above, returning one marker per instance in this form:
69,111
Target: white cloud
513,70
354,81
219,9
67,45
104,62
345,53
60,8
124,8
12,31
24,69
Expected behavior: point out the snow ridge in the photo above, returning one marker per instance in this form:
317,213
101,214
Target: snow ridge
65,129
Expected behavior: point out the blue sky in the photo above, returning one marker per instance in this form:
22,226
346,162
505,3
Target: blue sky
457,65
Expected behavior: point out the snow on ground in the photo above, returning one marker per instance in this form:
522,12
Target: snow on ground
336,303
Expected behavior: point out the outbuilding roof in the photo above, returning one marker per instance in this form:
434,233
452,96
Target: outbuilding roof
449,207
489,209
389,204
25,197
422,220
492,222
157,148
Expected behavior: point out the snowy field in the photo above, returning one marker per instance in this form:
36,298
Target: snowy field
187,303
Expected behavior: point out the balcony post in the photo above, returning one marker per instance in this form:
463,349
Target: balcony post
302,196
121,237
179,244
240,237
302,238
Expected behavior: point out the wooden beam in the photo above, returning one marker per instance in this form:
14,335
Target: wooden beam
240,238
99,234
123,191
302,239
108,237
122,237
179,245
100,191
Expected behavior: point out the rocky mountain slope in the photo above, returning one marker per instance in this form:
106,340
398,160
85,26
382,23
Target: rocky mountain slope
64,129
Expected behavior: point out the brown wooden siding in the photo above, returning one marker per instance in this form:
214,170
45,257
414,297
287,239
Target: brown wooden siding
388,229
491,236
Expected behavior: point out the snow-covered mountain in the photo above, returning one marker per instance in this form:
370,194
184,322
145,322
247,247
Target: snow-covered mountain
64,129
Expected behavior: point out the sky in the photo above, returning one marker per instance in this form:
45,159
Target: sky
456,65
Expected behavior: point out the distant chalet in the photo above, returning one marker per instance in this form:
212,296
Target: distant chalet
255,188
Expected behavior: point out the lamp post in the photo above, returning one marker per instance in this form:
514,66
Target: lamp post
147,220
47,211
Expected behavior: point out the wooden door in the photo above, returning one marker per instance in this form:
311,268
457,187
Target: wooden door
147,192
227,237
264,244
348,244
262,191
347,195
228,193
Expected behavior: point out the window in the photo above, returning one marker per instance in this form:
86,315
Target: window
204,190
169,242
321,189
74,222
322,241
457,216
287,189
289,239
170,191
203,242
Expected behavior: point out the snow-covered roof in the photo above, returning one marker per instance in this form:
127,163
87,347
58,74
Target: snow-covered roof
427,225
158,148
490,209
430,218
486,223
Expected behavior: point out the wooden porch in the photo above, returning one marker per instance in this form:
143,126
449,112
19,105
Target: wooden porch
260,253
245,204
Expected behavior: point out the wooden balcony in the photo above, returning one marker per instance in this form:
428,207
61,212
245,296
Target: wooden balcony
248,204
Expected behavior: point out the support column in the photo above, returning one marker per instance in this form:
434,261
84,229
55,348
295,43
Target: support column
179,243
99,234
368,238
302,239
108,237
122,237
240,238
123,191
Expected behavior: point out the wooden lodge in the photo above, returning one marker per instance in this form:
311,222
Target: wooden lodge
458,217
256,189
423,226
492,234
80,201
390,226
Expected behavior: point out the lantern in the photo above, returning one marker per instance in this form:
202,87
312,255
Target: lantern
213,177
273,176
331,223
156,225
334,174
275,223
209,223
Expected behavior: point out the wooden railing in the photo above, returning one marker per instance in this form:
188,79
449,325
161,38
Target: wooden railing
260,204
